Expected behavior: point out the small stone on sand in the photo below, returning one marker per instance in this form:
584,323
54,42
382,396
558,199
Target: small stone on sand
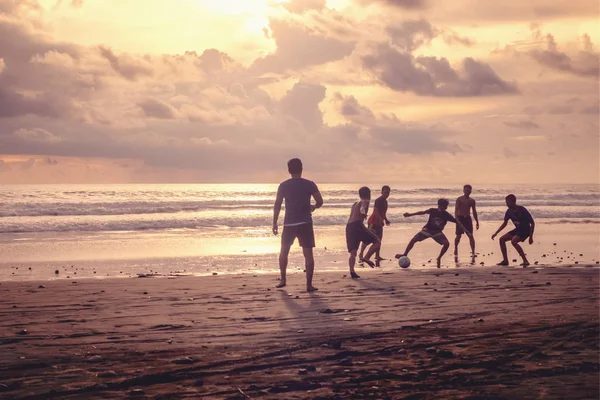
22,332
106,374
41,287
214,273
95,359
548,283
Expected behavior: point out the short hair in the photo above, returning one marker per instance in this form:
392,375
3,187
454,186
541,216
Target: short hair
385,187
512,198
467,187
443,203
295,166
364,192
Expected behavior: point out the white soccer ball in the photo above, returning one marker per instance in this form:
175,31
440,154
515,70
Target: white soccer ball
404,262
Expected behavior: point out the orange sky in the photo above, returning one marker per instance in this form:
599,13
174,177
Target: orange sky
222,91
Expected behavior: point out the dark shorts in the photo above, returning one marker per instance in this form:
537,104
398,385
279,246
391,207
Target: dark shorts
522,234
438,237
304,233
357,232
468,224
377,230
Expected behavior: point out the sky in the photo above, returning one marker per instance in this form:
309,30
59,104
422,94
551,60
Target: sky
193,91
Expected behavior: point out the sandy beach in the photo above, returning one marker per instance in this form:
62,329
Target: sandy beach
469,333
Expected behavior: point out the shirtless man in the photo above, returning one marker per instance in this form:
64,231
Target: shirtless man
357,232
462,213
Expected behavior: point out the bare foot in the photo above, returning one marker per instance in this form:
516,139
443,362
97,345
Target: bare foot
439,263
379,259
311,288
354,275
368,262
503,263
525,264
399,255
281,284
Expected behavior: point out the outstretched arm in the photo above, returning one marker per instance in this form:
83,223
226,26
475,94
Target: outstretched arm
318,201
499,229
277,210
406,215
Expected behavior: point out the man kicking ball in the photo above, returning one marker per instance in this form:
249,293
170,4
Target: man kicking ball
438,217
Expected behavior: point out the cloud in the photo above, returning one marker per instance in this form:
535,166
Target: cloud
157,108
522,124
585,63
402,4
301,6
125,66
37,135
299,46
302,104
350,108
432,76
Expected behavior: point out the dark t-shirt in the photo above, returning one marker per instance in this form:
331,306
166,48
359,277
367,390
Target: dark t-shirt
381,205
297,193
437,220
520,217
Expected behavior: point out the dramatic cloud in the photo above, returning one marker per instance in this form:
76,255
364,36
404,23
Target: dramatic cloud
432,76
333,85
299,46
585,63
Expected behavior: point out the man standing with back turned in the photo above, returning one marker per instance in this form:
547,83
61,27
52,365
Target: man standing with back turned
297,223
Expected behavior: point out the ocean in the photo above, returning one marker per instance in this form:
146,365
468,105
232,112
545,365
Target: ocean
169,228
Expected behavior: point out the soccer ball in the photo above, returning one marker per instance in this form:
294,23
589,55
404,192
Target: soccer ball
404,262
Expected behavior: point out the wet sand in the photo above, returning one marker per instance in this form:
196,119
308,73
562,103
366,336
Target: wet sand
469,333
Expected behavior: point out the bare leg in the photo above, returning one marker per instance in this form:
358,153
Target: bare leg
503,241
445,246
373,249
515,242
363,246
456,243
283,263
408,248
472,243
351,262
309,263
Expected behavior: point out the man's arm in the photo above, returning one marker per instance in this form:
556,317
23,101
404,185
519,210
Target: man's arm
277,210
475,215
406,215
318,201
499,229
531,229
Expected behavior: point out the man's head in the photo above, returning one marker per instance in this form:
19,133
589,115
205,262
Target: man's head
511,200
364,193
295,167
443,204
385,191
467,189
